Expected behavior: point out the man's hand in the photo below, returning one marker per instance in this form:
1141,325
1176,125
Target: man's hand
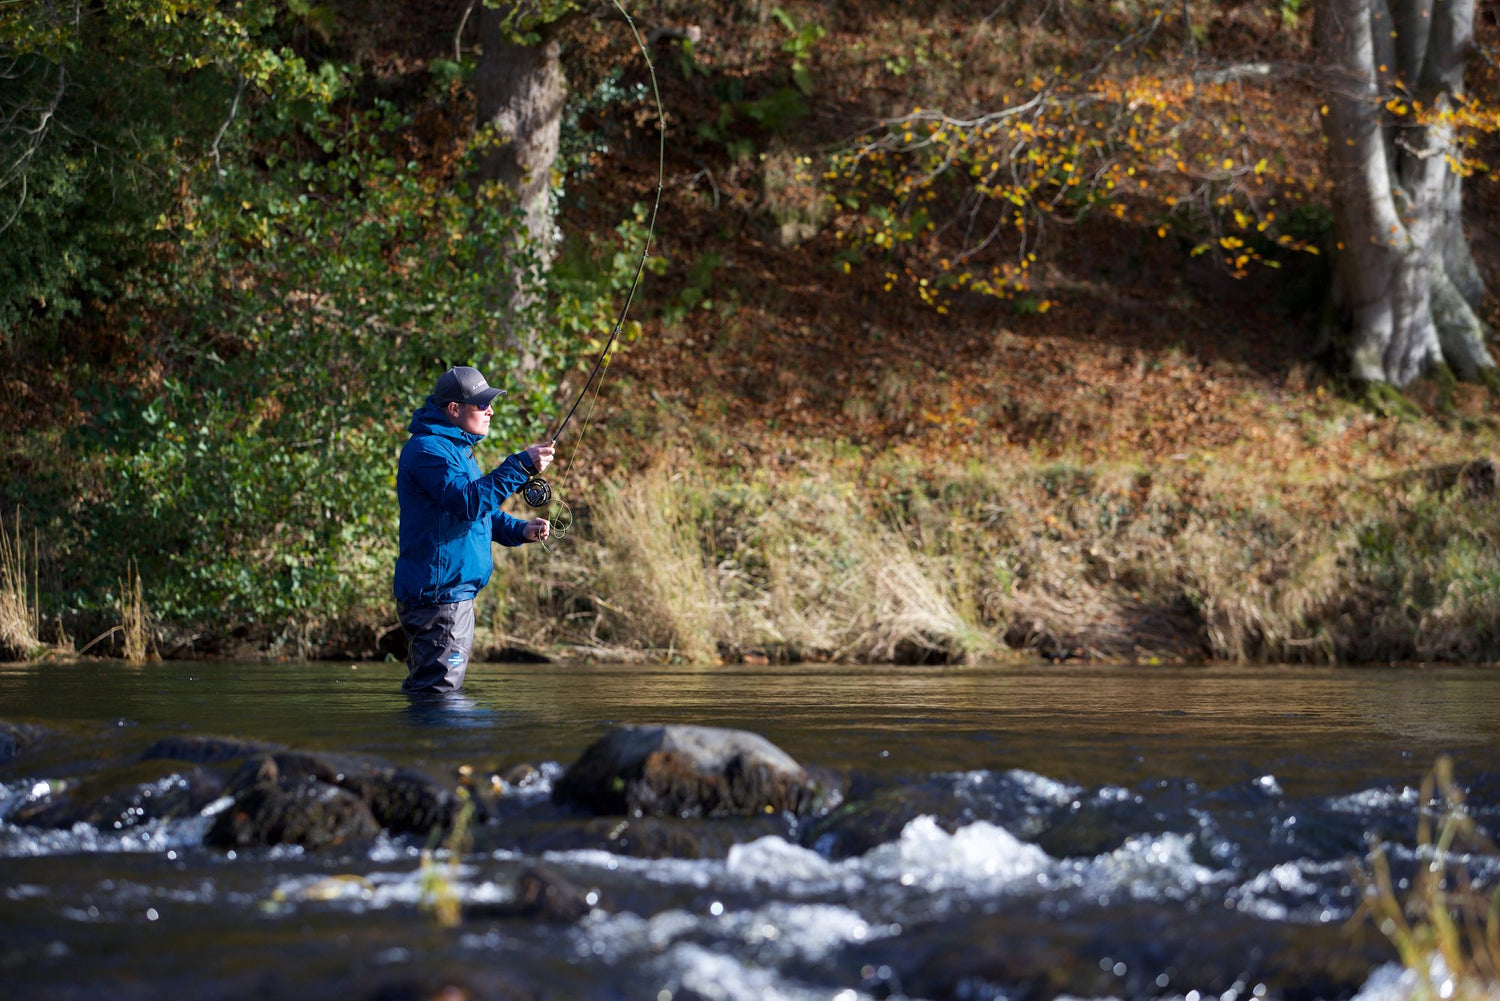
537,530
540,454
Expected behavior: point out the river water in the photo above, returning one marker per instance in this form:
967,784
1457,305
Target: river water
1008,832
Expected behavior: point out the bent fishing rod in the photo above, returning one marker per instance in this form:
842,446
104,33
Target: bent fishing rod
536,491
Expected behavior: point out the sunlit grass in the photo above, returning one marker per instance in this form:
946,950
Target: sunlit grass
20,616
853,559
135,636
438,882
1445,929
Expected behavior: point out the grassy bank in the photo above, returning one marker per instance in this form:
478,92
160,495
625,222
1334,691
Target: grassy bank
851,560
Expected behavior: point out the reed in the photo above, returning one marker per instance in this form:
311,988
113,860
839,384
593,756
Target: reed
438,883
1445,930
135,634
20,612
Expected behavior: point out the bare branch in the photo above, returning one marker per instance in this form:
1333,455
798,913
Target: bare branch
234,108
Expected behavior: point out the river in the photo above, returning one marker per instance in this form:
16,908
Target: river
1008,832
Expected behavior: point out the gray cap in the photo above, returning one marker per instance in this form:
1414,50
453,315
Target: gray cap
462,384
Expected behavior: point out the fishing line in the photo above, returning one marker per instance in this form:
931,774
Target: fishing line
536,491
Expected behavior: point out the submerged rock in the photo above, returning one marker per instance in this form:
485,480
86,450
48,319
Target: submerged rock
1135,951
18,737
876,812
686,771
119,798
206,750
636,837
541,894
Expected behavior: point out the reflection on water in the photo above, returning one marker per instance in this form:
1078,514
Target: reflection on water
448,709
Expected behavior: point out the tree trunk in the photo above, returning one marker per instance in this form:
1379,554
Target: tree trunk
1403,276
519,92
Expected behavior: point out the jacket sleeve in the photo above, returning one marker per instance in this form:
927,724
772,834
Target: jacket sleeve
506,529
446,476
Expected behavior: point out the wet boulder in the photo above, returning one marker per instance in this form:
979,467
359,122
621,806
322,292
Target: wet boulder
407,801
686,771
292,809
294,797
18,737
403,800
124,797
206,750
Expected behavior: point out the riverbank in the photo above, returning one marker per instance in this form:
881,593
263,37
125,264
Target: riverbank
1126,562
835,555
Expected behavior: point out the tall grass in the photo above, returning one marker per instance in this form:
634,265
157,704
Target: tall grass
20,612
1445,930
783,571
135,636
877,561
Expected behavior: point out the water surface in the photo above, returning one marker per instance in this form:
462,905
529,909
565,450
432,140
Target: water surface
1191,826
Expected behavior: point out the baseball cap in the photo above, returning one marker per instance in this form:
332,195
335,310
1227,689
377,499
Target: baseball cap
462,384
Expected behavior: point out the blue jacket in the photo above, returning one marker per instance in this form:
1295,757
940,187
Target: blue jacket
450,511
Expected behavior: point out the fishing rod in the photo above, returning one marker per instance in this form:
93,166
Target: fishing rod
536,491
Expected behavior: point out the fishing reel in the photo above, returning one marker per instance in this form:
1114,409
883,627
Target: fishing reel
536,492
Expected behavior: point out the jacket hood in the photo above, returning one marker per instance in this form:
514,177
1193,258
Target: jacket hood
430,418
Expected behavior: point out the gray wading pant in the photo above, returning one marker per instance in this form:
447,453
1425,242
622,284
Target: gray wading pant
439,639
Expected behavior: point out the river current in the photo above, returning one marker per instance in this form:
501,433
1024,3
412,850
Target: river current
1006,832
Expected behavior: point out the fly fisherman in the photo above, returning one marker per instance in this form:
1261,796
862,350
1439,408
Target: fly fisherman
450,513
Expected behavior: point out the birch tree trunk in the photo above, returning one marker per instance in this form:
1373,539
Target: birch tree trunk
520,92
1403,276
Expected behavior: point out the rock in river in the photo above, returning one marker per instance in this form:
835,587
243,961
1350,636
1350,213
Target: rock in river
122,797
18,737
313,800
293,809
686,771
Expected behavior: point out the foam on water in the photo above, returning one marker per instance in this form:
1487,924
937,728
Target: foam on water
692,971
1294,891
980,857
1147,867
1370,802
155,836
775,860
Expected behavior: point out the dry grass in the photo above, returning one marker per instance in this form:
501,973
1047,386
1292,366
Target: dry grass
654,570
1064,561
1445,929
135,630
20,614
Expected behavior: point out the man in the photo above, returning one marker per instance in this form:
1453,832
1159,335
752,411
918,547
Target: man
450,513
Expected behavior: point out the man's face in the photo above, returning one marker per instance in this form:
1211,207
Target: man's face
475,420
